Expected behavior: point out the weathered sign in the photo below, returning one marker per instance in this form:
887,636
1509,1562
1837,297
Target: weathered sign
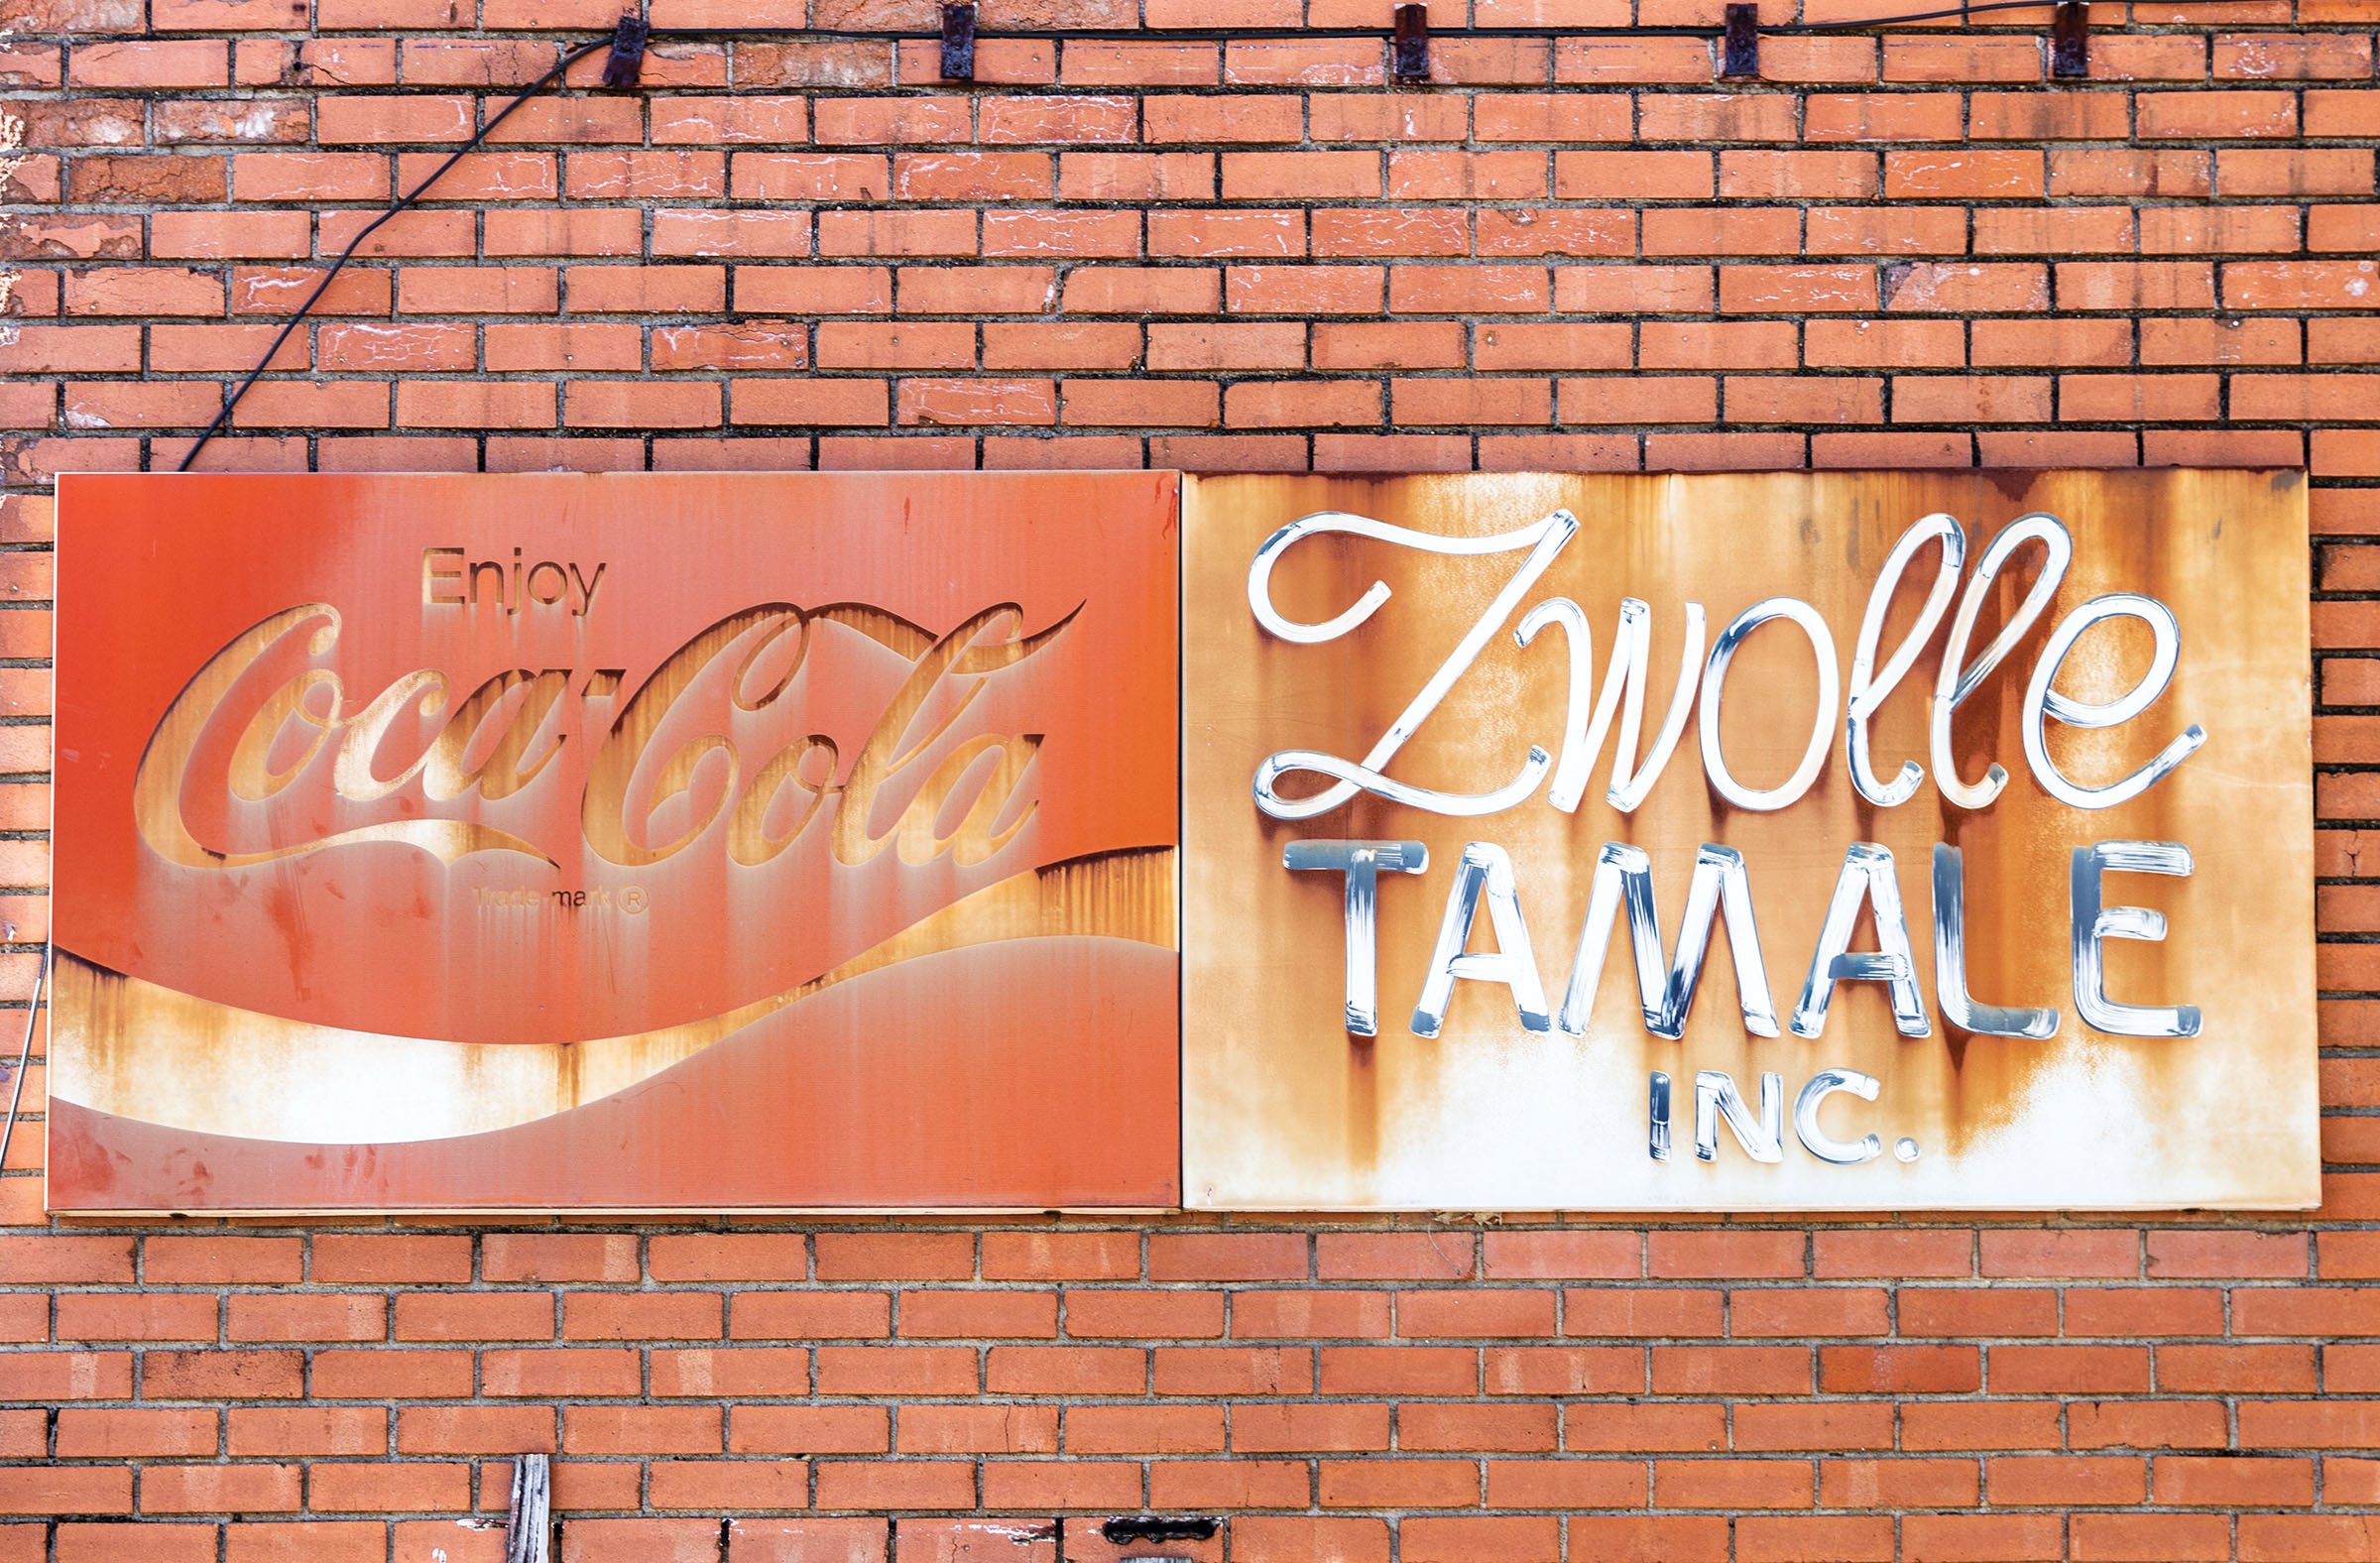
1995,787
659,842
809,842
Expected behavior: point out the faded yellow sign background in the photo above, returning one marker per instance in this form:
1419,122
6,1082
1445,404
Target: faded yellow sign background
1286,1109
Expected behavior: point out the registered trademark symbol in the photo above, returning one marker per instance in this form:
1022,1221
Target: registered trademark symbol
632,897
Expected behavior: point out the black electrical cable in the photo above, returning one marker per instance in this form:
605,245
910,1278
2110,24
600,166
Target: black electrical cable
1916,15
1209,35
1225,34
1197,34
536,87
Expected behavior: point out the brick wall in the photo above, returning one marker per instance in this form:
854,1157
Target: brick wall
1565,252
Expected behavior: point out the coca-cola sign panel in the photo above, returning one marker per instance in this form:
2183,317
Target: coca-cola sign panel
655,842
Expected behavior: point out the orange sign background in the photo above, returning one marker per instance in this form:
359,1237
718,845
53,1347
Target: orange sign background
616,842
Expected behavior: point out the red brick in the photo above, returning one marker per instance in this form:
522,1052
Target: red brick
1500,1312
758,1371
731,1483
647,1540
643,1429
1398,232
1898,1483
1744,344
1984,59
1303,1315
1136,176
664,1315
1981,1538
1061,233
2046,1479
1918,116
1067,346
806,1540
1562,1254
1227,1257
978,1314
2069,1369
809,1429
1399,1370
562,1372
1734,1484
1946,1425
1299,1539
1633,290
1747,1252
495,1315
2274,1538
390,1374
214,1489
1141,403
308,1431
65,1259
1648,1311
810,177
2273,171
1662,1538
1513,1428
2119,1535
1405,1484
221,1374
2271,1370
1797,1538
75,1490
1651,176
143,1543
1486,1538
897,1369
2223,1483
909,1484
2226,1253
1043,120
307,1541
956,402
122,1316
863,233
1301,1428
119,1432
1622,1427
475,1429
2051,344
1742,1369
1065,1370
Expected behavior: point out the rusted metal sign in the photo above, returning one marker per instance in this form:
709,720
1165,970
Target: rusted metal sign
809,842
1994,788
596,842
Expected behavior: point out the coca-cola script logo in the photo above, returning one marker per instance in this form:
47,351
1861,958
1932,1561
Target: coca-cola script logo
502,737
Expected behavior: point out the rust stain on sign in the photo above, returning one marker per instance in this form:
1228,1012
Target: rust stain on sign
596,842
1286,1109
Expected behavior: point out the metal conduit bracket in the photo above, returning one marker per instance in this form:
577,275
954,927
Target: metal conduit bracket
1742,45
626,60
528,1523
2070,40
1410,48
958,43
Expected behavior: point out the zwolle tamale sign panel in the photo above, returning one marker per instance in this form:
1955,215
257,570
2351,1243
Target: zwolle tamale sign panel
596,842
1994,790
